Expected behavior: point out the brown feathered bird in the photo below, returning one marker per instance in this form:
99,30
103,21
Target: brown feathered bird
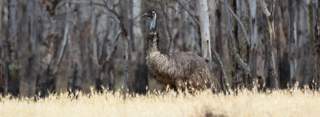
180,70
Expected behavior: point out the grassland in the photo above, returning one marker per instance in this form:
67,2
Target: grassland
170,104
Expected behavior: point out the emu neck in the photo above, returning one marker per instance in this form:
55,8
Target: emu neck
152,45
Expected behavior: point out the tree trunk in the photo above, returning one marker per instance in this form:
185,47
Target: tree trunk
292,39
3,47
28,53
141,75
253,45
204,29
272,80
317,45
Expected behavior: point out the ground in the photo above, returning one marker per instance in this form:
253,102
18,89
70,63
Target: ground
170,104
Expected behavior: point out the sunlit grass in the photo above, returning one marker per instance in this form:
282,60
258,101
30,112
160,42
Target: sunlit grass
169,104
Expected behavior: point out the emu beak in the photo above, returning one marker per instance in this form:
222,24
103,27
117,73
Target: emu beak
145,15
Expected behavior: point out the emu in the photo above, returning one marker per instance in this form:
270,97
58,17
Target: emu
179,70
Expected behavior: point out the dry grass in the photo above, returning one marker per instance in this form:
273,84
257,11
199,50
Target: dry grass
245,104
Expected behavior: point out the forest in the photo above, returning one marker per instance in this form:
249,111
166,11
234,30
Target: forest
67,45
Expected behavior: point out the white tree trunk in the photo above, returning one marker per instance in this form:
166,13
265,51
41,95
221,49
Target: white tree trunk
136,8
205,29
136,30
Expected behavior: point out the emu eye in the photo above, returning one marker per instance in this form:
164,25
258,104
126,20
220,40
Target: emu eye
153,12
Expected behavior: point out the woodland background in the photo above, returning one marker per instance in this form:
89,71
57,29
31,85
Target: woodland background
66,45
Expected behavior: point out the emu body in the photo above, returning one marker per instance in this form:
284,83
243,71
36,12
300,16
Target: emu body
181,70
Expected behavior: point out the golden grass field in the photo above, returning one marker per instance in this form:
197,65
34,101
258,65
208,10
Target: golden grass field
170,104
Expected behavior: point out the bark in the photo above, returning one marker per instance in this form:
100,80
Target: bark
292,38
205,29
3,48
303,45
255,46
28,52
60,81
141,79
316,76
271,63
219,49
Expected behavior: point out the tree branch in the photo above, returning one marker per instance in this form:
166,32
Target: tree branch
65,37
243,29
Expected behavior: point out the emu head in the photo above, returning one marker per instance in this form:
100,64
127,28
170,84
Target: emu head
151,20
151,25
